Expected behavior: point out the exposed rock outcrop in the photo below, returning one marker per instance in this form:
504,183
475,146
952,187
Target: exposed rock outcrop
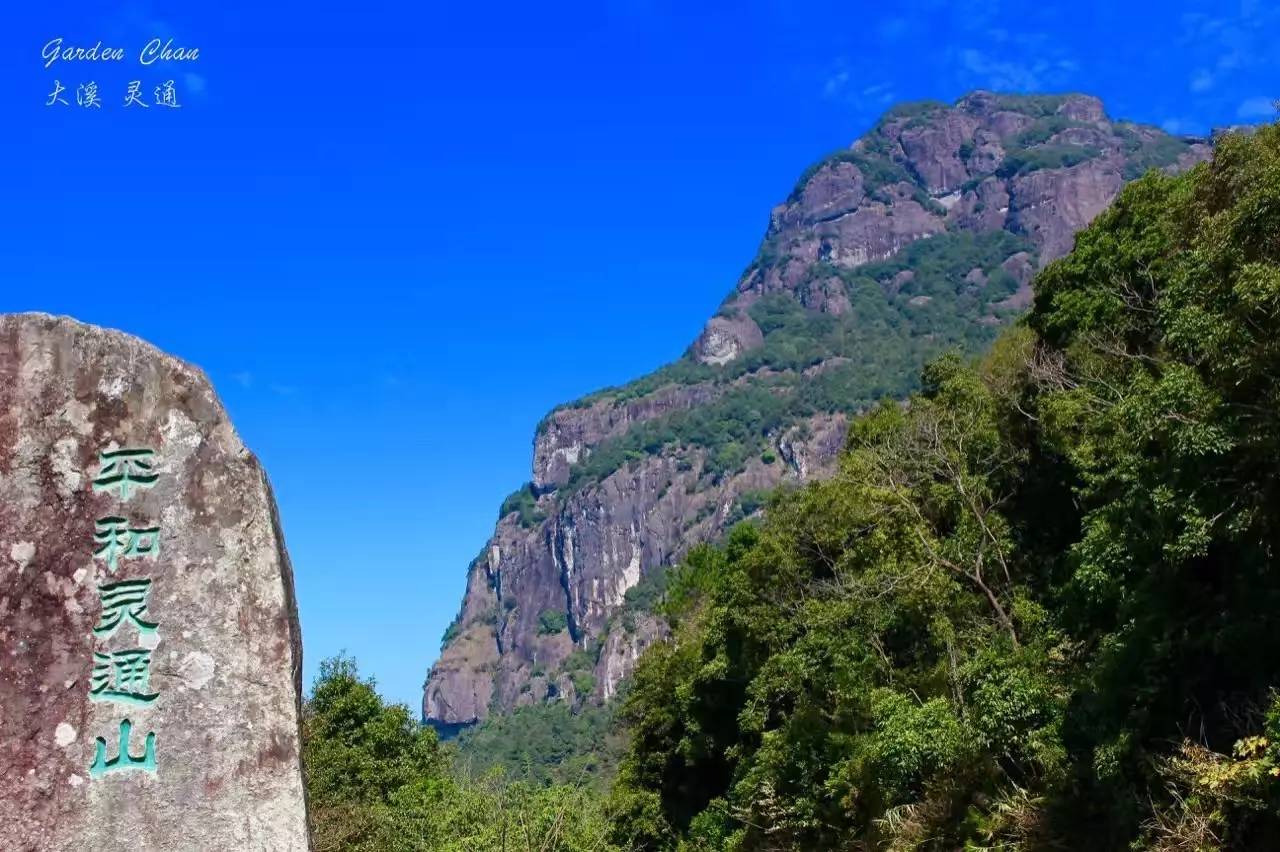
1034,169
726,338
581,562
1041,166
568,434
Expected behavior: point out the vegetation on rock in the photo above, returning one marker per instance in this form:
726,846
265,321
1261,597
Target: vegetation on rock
552,621
1038,609
873,351
524,502
545,744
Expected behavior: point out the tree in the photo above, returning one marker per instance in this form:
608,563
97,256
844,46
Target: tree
1039,607
360,755
377,781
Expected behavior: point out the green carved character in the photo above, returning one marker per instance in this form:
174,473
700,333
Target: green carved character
117,540
125,470
126,599
122,676
123,761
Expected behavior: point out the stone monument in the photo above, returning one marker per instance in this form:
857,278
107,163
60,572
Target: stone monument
150,656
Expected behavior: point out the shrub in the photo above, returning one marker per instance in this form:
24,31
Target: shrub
1027,160
552,621
524,502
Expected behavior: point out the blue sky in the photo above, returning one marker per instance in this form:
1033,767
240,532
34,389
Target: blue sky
395,234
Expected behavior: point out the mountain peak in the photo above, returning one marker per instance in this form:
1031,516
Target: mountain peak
1036,166
921,236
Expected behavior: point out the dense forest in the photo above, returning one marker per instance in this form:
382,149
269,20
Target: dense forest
1037,609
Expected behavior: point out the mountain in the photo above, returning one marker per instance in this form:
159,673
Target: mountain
1037,607
922,236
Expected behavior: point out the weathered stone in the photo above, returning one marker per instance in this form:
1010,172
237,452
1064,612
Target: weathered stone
1083,108
622,648
224,662
827,296
835,190
1050,205
953,155
934,149
983,208
461,685
900,280
569,434
727,337
581,561
1019,265
877,232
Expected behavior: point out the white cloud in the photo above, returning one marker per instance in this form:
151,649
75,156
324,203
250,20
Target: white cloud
1197,27
1202,81
243,378
879,93
1230,60
1256,108
1230,44
1003,74
835,84
841,84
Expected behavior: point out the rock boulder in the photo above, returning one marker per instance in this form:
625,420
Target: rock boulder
150,687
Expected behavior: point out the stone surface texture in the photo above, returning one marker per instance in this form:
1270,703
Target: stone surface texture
226,655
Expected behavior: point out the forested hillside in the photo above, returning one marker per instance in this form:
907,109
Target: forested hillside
378,781
1038,608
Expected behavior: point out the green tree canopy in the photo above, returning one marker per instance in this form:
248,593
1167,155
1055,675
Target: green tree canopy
1039,608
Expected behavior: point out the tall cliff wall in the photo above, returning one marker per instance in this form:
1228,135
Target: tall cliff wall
921,236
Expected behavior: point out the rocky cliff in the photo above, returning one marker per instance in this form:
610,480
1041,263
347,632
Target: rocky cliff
921,236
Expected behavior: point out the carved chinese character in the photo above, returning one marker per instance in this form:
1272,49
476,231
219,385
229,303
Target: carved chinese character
117,540
122,676
125,470
123,761
126,599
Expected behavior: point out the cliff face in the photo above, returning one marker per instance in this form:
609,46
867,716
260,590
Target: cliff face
922,235
579,563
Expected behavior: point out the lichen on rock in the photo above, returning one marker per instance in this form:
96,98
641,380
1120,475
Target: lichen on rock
150,697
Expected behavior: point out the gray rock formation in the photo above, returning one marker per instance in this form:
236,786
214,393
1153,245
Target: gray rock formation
1032,169
1039,166
152,662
